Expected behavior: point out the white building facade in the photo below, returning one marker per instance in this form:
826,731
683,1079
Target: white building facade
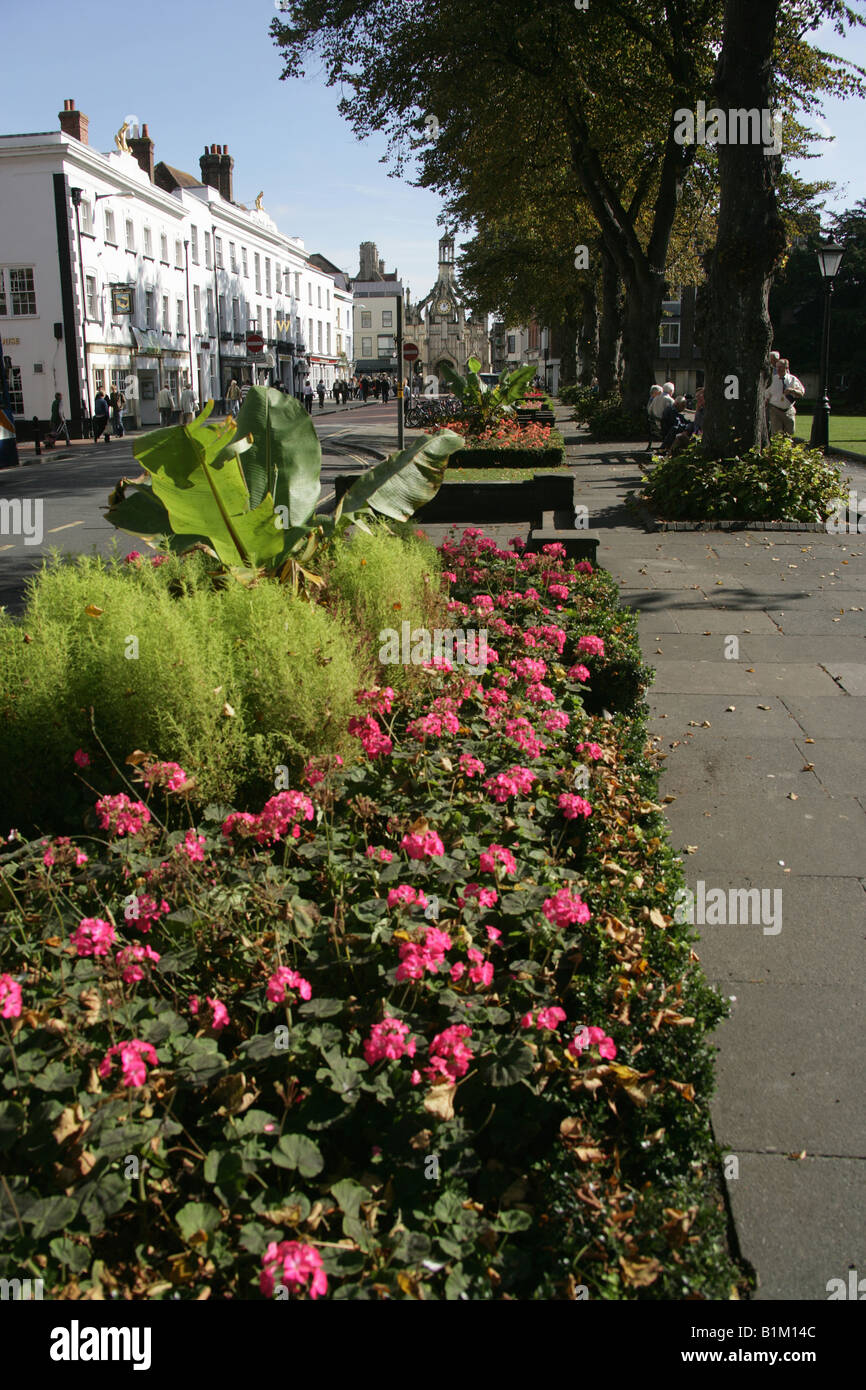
115,274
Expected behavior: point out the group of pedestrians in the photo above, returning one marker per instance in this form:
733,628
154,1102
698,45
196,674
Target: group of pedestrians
667,418
108,412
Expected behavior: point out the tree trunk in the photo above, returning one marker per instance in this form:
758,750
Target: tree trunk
735,330
643,311
587,343
610,330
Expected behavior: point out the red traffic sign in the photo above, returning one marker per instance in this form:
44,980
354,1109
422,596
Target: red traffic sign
255,342
410,352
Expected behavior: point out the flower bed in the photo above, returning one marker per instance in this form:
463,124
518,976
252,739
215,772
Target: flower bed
788,481
508,443
427,1028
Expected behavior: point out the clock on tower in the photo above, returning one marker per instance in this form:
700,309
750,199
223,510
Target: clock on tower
444,306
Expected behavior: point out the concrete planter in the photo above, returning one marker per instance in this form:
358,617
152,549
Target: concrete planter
492,502
508,458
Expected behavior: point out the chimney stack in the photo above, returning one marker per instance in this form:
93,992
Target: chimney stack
142,148
72,122
217,168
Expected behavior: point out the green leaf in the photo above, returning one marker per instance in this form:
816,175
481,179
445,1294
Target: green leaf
350,1195
403,482
197,1216
67,1253
297,1151
285,457
510,1065
141,513
53,1213
513,1221
321,1008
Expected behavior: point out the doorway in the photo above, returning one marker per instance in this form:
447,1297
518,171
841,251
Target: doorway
148,386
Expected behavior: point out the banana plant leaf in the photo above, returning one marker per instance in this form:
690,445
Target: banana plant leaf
141,513
403,482
196,473
285,458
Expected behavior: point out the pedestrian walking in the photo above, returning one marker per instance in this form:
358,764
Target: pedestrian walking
233,398
308,396
784,391
320,392
188,405
165,402
101,417
365,388
386,387
58,419
117,401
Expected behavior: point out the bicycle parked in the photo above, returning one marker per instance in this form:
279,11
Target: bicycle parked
425,411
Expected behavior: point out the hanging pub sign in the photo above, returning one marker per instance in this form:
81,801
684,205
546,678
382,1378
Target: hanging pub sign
121,299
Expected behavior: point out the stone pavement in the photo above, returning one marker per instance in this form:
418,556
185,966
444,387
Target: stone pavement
765,746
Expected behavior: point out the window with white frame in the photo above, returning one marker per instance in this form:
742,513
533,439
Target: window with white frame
130,234
385,345
98,379
236,316
218,252
669,334
233,257
196,307
339,344
366,318
328,339
268,276
245,262
178,254
319,335
327,299
310,292
16,391
259,318
90,295
297,275
193,244
86,216
366,347
224,322
166,321
211,313
163,248
319,296
109,227
270,323
257,265
278,282
22,292
207,256
4,304
387,318
149,309
179,323
310,333
148,242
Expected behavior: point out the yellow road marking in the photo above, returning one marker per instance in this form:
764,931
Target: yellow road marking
7,547
65,527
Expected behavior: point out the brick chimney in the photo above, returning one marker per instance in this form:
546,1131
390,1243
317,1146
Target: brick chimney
73,122
217,168
142,147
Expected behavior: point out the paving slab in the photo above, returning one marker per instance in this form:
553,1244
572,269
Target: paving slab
825,718
802,1088
799,1222
672,710
732,677
830,651
821,940
839,764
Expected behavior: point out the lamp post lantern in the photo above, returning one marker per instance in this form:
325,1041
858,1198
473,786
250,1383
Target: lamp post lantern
829,260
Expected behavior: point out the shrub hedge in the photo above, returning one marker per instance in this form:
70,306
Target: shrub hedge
428,1029
785,482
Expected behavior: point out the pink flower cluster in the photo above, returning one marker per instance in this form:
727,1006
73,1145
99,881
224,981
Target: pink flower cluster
529,668
121,816
374,742
517,781
558,591
133,1055
426,846
449,1054
554,720
427,955
10,997
497,854
63,852
523,734
296,1264
284,979
406,896
487,897
148,911
379,699
578,673
469,766
379,852
549,636
80,758
565,907
219,1012
389,1039
433,725
480,970
573,806
594,646
592,750
171,776
545,1018
592,1037
279,816
93,937
132,972
192,846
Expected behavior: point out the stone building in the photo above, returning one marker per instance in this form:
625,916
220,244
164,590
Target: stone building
442,326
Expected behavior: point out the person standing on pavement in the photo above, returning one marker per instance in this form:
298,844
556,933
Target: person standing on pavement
386,387
58,419
320,392
188,405
101,417
117,401
308,396
365,388
233,398
165,401
782,395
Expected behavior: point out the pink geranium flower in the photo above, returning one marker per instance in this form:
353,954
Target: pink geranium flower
565,907
426,846
10,997
120,816
592,1037
497,854
129,957
592,750
80,758
93,937
284,979
295,1265
450,1055
389,1039
578,673
573,806
469,766
406,896
594,646
133,1055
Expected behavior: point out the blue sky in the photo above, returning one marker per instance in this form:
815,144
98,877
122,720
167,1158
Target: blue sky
206,71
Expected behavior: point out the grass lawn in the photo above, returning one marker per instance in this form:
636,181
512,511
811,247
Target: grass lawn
846,431
497,475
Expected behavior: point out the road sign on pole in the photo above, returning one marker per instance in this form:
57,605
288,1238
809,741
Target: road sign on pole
255,343
411,352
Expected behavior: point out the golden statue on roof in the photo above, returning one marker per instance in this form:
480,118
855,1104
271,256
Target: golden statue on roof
259,201
121,141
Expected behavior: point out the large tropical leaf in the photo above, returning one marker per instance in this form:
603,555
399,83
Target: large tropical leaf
515,384
403,482
285,458
141,513
467,390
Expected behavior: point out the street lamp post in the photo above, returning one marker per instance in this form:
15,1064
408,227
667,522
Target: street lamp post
829,260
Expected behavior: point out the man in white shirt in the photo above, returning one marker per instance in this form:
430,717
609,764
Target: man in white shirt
188,405
782,393
165,402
